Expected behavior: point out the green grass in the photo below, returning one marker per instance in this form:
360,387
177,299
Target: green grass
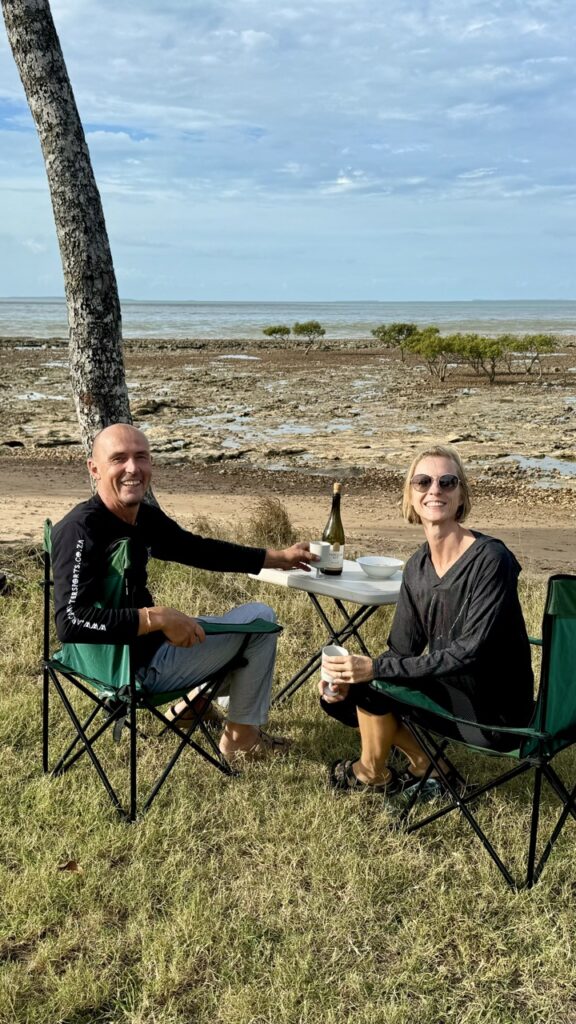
262,899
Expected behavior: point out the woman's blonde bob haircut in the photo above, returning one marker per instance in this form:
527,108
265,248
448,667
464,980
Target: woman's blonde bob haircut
443,451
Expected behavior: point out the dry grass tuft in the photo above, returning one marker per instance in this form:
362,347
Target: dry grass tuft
269,525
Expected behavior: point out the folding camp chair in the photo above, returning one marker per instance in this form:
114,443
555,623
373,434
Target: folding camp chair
104,673
553,729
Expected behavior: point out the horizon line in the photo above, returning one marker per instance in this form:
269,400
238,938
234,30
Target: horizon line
287,302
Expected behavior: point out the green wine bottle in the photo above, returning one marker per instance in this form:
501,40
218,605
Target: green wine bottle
334,534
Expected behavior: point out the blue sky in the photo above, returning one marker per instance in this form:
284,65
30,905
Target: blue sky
319,150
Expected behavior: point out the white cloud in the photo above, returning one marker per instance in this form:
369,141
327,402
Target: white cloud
533,26
348,181
474,28
474,111
492,73
113,139
291,168
547,60
398,115
35,245
288,15
253,39
480,172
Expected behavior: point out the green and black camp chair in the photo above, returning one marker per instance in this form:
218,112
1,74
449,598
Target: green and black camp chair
552,730
104,674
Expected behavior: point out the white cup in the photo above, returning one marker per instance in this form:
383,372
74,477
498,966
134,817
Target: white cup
322,549
331,651
330,688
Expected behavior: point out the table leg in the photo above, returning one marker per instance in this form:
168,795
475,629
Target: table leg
351,626
299,679
356,621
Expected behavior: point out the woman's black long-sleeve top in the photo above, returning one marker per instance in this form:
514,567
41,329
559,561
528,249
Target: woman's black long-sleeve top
471,626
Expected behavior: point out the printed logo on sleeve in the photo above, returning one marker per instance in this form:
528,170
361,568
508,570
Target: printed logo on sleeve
100,626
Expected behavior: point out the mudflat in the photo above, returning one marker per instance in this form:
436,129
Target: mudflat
232,422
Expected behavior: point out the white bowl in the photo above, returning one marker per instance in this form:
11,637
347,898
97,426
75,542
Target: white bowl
379,567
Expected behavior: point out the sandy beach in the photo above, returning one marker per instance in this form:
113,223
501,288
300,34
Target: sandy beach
232,422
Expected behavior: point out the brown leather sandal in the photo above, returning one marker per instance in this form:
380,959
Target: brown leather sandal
264,748
210,713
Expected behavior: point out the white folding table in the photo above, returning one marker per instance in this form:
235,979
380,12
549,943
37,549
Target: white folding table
352,586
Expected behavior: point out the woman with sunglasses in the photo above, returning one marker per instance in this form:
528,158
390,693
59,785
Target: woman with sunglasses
458,635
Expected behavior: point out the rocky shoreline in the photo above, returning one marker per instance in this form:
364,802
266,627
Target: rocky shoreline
263,408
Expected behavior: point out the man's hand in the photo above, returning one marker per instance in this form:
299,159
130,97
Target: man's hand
298,556
352,668
180,629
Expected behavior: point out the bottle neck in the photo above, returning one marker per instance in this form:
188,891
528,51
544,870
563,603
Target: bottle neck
336,501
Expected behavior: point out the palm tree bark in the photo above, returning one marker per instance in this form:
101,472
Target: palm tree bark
94,317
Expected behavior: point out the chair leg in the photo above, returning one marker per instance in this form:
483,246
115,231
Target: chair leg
67,761
568,808
218,761
461,803
440,748
216,758
87,744
533,869
45,718
559,788
133,762
534,827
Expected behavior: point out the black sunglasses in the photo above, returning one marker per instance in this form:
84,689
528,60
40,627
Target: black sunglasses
422,482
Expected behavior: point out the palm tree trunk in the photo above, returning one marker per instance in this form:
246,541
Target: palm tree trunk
94,317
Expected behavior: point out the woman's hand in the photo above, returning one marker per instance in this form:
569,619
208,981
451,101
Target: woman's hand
336,693
352,668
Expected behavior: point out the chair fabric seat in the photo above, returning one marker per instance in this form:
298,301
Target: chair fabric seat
553,729
419,700
112,692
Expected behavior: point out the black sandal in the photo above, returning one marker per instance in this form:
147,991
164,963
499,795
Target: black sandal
342,778
432,789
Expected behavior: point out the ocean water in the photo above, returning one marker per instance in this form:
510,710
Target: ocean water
46,318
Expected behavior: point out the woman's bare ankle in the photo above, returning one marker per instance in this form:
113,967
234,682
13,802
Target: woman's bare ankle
370,775
421,766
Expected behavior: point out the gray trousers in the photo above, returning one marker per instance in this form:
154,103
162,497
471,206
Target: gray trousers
249,687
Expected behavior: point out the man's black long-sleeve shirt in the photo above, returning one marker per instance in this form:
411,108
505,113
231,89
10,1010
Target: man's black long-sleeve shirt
80,545
471,626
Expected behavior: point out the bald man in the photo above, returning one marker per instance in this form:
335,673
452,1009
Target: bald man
170,648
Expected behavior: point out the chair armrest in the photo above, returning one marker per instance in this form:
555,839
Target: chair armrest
413,699
253,626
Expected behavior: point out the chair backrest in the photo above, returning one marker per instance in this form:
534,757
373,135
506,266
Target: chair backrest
105,665
555,712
